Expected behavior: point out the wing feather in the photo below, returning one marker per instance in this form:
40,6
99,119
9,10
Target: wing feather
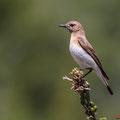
89,49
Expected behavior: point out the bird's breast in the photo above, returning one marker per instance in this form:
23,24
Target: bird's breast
81,56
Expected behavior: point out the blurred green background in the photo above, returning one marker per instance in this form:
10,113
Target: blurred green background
34,56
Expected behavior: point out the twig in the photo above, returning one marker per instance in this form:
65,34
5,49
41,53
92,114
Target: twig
81,86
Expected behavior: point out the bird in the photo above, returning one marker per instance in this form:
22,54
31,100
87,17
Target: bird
83,52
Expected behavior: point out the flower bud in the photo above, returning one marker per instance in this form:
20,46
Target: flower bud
92,109
92,104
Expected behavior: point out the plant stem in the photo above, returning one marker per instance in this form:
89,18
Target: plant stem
81,86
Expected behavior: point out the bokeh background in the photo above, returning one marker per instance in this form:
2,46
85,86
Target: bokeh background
34,56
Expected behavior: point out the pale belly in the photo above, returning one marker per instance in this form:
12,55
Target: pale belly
82,58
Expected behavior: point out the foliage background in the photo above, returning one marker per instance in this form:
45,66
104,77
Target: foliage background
34,56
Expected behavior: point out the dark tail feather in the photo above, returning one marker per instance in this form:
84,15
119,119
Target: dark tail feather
104,77
108,86
109,89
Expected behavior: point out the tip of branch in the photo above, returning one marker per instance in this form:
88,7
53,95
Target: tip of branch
81,86
103,118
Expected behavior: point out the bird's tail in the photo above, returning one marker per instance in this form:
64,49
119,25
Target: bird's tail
105,80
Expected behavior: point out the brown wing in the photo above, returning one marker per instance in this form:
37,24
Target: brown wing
88,48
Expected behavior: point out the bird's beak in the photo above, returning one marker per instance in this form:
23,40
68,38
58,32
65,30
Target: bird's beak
62,25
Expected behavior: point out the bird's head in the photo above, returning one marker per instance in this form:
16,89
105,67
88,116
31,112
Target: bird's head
72,26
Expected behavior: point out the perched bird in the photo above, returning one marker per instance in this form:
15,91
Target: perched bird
83,53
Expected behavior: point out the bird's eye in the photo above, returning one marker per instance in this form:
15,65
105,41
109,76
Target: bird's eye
72,25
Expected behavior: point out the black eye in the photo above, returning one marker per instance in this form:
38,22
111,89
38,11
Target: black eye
72,25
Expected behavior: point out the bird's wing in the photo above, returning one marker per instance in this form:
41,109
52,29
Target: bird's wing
89,49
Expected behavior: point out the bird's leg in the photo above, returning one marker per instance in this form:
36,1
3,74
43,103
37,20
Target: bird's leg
90,70
83,69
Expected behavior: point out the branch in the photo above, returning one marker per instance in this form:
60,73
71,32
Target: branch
81,86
